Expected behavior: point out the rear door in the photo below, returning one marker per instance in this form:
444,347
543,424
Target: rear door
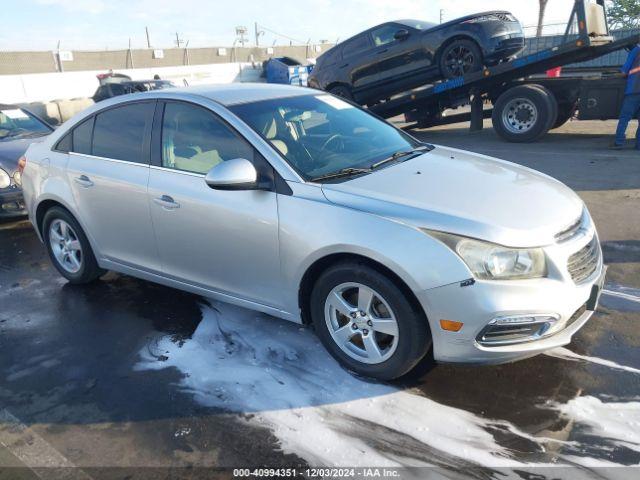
221,240
358,61
108,171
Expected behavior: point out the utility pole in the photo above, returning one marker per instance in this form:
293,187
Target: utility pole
257,34
441,15
178,40
146,30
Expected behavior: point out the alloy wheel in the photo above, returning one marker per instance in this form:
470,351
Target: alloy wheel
361,323
65,246
459,60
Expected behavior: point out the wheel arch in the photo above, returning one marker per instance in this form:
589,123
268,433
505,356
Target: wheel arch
320,265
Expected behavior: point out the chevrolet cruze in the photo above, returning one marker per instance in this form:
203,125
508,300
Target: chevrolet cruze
303,206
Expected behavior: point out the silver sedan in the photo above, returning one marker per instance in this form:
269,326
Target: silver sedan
301,205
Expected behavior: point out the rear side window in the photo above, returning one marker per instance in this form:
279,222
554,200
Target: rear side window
355,45
120,133
81,136
330,57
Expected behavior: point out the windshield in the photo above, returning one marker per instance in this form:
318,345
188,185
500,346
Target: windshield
16,123
321,134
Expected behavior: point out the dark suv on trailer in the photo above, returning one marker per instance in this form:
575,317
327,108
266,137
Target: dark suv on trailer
397,56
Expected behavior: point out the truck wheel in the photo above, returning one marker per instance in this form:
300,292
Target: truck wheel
341,91
459,58
524,113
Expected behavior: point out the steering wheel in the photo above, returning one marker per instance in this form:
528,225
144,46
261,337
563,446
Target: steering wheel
332,139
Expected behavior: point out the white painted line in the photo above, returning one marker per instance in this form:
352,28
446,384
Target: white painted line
626,296
33,451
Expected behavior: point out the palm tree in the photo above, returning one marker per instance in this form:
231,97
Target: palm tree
543,7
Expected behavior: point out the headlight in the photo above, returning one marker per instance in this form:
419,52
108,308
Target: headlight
17,178
5,179
488,261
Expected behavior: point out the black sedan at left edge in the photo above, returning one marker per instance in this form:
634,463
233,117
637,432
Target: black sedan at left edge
19,128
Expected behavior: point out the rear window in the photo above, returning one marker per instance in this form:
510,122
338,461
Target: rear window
120,133
330,57
355,46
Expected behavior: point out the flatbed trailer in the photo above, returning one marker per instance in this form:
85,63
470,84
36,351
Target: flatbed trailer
525,107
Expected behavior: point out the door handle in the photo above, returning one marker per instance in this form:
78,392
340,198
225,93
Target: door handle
382,51
83,181
344,66
166,202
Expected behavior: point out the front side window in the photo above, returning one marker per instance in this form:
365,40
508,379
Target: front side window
384,35
17,123
321,134
195,140
120,132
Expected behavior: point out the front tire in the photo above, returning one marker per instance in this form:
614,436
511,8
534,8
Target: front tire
367,322
68,247
459,58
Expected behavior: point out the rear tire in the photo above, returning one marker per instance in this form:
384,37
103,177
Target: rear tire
68,247
386,342
459,58
341,91
524,113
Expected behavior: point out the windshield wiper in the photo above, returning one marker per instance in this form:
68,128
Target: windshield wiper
400,154
344,172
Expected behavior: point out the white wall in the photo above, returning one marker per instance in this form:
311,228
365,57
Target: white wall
45,87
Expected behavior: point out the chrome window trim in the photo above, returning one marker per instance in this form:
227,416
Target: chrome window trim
175,170
115,160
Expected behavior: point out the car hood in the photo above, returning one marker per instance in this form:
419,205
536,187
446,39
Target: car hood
467,194
12,150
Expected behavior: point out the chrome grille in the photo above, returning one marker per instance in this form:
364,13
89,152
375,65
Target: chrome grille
569,232
584,262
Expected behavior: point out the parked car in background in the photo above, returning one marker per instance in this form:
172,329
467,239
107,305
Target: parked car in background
18,129
115,88
296,203
397,56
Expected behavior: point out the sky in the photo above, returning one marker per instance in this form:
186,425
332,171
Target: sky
109,24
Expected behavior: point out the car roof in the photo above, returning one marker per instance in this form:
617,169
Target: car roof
236,93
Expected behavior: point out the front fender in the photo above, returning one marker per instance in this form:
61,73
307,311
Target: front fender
311,228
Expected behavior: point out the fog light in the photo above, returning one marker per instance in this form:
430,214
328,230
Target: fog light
512,329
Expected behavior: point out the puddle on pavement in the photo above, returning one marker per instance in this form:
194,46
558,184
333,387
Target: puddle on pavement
277,375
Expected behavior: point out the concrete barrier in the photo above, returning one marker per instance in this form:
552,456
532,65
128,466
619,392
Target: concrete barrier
47,87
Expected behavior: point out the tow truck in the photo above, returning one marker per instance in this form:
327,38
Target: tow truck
525,104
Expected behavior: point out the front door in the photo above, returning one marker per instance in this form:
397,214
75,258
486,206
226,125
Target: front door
221,240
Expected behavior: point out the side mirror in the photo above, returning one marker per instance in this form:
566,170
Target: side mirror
401,34
236,174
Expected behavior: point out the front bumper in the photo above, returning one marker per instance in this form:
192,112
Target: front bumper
12,203
477,304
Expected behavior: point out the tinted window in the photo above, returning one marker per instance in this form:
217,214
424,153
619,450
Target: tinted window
82,137
119,133
18,123
195,140
65,144
330,57
355,45
384,35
